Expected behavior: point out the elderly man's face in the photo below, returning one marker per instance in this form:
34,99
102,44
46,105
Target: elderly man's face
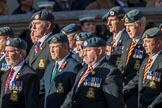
133,30
91,55
12,55
39,28
58,51
151,45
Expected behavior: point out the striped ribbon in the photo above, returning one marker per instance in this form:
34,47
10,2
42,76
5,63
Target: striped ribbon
147,67
131,50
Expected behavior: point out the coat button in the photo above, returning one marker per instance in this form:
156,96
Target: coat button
74,101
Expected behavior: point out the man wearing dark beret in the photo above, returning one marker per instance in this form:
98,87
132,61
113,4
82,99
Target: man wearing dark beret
115,43
80,38
6,32
133,52
87,24
149,77
42,26
71,30
60,74
98,84
20,83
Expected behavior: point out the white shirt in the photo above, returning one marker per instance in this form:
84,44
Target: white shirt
17,69
43,38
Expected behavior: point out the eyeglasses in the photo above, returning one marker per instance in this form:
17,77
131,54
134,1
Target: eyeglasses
11,51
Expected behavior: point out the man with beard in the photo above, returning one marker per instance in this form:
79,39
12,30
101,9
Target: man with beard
20,84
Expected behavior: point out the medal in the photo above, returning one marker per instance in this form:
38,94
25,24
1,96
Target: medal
152,84
14,96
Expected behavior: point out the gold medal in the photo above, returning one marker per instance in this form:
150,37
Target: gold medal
90,93
60,88
14,96
152,84
41,64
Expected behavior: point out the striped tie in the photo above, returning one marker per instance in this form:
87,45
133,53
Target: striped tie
90,68
10,75
37,46
147,67
130,50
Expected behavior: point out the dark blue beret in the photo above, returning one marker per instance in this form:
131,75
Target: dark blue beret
43,15
82,36
94,42
116,11
16,42
6,31
71,28
86,18
58,38
132,16
152,32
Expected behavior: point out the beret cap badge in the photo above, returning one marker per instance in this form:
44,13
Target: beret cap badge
54,40
85,43
36,17
126,19
112,13
8,42
77,37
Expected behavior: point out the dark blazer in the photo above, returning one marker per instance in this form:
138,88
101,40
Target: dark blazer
41,60
101,89
148,93
56,90
116,51
134,63
27,95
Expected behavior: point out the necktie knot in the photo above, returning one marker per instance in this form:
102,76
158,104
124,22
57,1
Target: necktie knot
37,46
149,60
90,68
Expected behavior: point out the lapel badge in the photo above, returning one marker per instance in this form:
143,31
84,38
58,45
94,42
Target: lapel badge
14,96
60,88
17,76
90,93
41,64
152,84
